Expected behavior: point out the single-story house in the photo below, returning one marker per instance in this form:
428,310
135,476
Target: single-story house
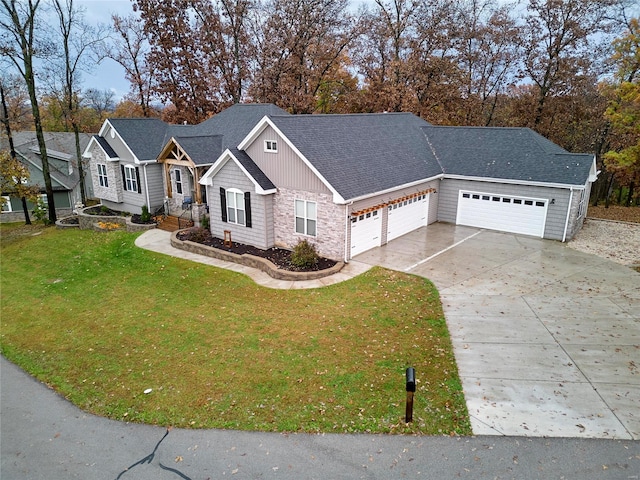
63,169
347,183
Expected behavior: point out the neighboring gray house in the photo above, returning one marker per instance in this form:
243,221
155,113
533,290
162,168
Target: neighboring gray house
349,183
63,169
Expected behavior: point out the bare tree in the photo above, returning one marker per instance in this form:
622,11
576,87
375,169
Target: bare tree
19,42
129,47
488,53
300,43
560,41
78,40
99,100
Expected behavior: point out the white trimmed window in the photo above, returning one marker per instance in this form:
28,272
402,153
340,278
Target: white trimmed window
178,176
6,205
235,207
102,175
131,181
271,146
306,217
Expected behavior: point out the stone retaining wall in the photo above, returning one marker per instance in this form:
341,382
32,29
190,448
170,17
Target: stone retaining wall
252,261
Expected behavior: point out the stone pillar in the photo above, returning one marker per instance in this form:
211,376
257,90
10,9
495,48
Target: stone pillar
198,210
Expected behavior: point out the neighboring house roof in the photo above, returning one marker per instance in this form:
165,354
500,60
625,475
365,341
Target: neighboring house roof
362,154
61,153
517,154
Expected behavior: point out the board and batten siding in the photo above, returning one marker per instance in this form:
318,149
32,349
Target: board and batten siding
390,197
155,184
556,212
119,147
261,232
284,168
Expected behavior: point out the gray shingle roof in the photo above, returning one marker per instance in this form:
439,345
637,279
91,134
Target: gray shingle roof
105,146
361,154
203,150
507,153
253,170
61,148
235,122
146,137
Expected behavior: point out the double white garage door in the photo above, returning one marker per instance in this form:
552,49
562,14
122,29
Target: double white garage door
523,215
403,217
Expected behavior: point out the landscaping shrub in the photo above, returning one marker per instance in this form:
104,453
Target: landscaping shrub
145,217
304,255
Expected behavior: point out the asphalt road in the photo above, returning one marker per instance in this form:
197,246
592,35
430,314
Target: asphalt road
42,436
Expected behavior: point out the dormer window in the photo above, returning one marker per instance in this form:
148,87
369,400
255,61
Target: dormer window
271,146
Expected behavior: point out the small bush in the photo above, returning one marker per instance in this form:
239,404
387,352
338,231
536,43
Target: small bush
304,255
145,217
40,212
104,209
205,223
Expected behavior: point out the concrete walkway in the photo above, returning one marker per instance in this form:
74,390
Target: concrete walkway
546,338
159,241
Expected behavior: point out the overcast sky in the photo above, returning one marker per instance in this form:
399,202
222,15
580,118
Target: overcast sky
109,75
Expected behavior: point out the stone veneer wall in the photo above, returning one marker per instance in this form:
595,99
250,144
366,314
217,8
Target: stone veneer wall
330,230
114,177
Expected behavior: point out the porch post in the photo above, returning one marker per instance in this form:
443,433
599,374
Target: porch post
167,175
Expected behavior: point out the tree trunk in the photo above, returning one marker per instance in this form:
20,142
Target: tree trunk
83,194
607,200
12,150
630,196
25,210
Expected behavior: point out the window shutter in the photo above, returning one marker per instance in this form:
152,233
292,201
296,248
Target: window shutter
124,178
247,209
138,179
223,204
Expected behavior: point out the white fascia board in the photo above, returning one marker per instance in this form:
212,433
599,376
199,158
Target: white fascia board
266,122
255,132
207,178
593,173
106,124
512,182
394,189
103,129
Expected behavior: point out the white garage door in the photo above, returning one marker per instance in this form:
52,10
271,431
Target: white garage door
365,232
502,212
407,216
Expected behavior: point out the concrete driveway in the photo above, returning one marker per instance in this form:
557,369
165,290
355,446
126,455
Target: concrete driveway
547,339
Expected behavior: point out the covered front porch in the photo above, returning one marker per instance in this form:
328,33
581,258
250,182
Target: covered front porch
183,166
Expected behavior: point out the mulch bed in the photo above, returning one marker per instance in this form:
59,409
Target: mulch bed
278,256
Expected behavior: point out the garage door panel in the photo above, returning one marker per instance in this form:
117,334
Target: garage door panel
366,232
513,214
406,216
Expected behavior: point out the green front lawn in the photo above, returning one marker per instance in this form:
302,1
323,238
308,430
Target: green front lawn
101,321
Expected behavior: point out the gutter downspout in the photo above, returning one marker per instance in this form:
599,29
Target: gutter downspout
346,232
566,223
146,184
